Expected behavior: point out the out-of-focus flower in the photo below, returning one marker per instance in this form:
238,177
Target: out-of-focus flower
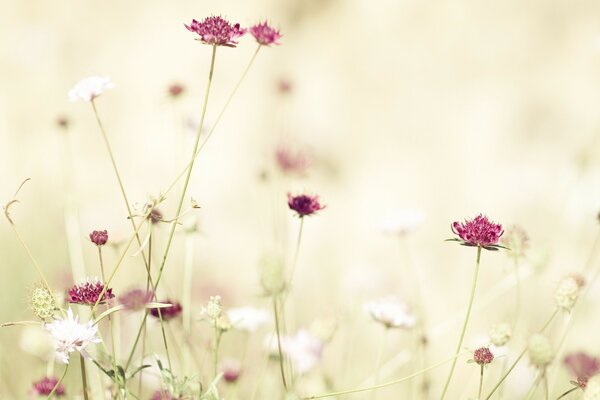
248,319
216,31
500,334
36,342
264,34
272,277
69,336
391,312
592,389
214,308
516,240
290,162
401,222
582,366
566,293
155,216
480,232
42,302
303,349
175,90
62,122
231,369
304,204
167,313
162,395
135,299
89,88
483,356
540,350
88,291
284,86
44,387
99,238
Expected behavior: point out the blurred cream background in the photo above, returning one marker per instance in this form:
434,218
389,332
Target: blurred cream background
449,107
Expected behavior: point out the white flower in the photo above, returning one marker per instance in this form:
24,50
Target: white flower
304,350
213,309
248,319
401,222
69,336
566,293
391,312
89,88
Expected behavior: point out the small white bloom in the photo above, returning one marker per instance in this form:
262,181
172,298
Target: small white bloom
304,350
401,222
592,390
566,293
500,334
213,309
69,336
391,312
89,88
248,319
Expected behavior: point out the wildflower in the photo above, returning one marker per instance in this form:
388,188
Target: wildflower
42,302
592,390
483,356
248,319
264,34
155,216
391,312
480,232
89,88
88,291
214,308
291,162
566,293
272,277
167,313
304,204
44,387
582,366
99,238
231,369
540,350
304,350
175,90
517,240
401,222
162,395
216,31
69,336
135,299
500,334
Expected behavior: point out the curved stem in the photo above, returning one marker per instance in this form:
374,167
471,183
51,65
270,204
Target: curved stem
279,349
534,386
480,383
565,394
58,383
464,328
83,377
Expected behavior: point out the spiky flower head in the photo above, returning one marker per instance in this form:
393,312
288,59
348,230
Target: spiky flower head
566,293
582,366
216,31
478,232
99,238
69,336
540,350
264,34
167,313
304,204
483,356
44,387
42,302
391,312
516,240
135,299
89,88
500,334
88,291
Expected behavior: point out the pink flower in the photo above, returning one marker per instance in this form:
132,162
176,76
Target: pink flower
175,90
167,313
135,299
88,291
162,395
231,369
99,238
483,356
291,161
44,387
264,34
216,31
304,204
480,232
582,366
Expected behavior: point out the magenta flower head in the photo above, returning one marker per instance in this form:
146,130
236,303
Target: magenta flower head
216,31
99,238
167,313
88,291
304,204
478,232
264,34
135,299
44,387
162,395
483,356
582,366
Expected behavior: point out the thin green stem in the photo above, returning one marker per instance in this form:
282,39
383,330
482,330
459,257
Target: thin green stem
216,350
296,252
137,339
51,394
279,349
565,394
83,377
480,383
382,385
110,323
379,358
464,328
546,389
534,386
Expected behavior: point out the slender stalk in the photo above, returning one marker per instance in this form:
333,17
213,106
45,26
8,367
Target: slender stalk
534,386
83,377
546,390
137,339
565,394
464,328
378,360
279,349
480,383
110,324
216,350
51,394
148,280
382,385
514,364
188,270
297,251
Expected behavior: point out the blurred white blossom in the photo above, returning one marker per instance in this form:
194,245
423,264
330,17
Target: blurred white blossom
89,88
401,221
69,336
248,319
391,312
